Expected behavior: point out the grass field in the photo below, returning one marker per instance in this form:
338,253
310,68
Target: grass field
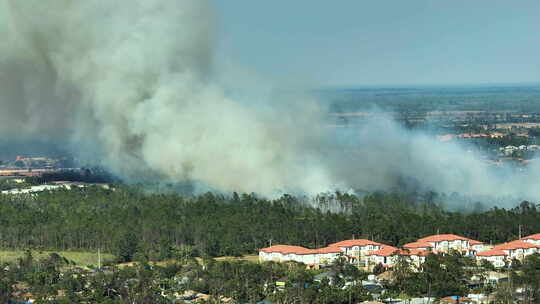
80,258
249,258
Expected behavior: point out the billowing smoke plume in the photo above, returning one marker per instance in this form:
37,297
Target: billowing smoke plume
132,83
133,80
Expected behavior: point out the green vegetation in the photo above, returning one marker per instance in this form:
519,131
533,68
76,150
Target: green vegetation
146,283
50,279
78,258
128,222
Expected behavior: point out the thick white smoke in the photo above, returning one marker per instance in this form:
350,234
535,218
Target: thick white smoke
132,82
134,79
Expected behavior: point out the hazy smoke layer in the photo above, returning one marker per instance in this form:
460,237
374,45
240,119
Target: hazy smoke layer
134,79
132,83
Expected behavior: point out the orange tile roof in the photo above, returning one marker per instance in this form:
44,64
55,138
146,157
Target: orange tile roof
492,252
410,252
288,249
384,251
417,245
518,244
328,250
357,242
535,237
475,242
390,251
442,237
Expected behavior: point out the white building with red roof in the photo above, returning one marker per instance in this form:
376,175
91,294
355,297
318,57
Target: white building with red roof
357,247
384,256
534,239
418,245
497,257
477,246
518,249
388,255
285,253
445,242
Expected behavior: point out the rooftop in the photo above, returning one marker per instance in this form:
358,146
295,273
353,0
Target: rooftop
442,237
492,252
390,251
289,249
535,237
418,244
518,244
475,242
385,251
356,242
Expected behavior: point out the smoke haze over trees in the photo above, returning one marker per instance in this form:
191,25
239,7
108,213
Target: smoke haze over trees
133,86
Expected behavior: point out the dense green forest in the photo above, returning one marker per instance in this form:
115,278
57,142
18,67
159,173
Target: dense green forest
128,221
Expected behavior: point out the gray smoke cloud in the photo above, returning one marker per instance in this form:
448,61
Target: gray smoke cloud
133,84
133,79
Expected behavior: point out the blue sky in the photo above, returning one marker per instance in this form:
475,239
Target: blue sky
383,42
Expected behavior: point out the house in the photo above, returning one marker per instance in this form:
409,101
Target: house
533,239
280,253
518,249
477,246
497,257
285,253
357,247
445,242
384,256
418,245
416,256
325,255
388,255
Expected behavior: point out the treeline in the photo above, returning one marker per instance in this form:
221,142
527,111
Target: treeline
127,221
83,175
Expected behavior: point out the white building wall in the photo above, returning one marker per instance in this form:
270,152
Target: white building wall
479,247
536,242
497,261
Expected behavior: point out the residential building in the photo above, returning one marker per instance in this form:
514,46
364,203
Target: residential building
285,253
418,245
518,249
497,257
384,256
445,242
357,247
388,255
477,246
533,239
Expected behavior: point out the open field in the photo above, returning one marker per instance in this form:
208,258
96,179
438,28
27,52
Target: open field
80,258
248,258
